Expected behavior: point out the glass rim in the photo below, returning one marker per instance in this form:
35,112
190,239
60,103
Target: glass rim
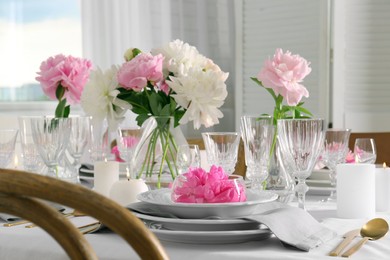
220,133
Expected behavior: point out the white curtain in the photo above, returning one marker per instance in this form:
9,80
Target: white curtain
110,27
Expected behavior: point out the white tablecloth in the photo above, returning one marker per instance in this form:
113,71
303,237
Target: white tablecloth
23,243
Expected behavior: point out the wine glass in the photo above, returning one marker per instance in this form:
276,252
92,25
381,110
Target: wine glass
222,149
257,134
187,156
99,141
31,158
7,146
127,141
334,152
78,140
365,150
301,142
51,137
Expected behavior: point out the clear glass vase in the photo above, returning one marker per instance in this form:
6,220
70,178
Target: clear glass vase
155,154
279,179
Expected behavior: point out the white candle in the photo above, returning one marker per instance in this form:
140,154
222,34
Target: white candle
106,173
355,190
125,191
382,188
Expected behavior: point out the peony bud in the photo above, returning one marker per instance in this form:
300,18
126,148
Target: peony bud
131,53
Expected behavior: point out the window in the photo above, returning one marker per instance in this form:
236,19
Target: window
30,32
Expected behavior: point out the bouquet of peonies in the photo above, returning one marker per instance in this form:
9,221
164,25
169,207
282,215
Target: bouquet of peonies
63,78
175,80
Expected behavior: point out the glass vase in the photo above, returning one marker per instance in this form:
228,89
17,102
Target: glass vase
279,179
155,154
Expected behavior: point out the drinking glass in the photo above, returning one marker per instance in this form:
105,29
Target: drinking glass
257,134
187,156
31,158
365,150
127,141
78,140
7,146
51,136
222,149
99,141
334,152
301,142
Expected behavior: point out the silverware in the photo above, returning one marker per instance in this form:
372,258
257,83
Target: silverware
372,230
74,213
89,227
16,223
348,237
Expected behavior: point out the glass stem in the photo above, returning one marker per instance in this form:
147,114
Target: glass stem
301,190
333,180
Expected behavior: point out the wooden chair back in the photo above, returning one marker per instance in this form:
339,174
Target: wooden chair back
20,193
382,142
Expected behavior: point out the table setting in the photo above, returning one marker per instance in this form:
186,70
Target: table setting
284,207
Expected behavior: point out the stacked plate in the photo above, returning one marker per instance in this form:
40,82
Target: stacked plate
319,183
206,223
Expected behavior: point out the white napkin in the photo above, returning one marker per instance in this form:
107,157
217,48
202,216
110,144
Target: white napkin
295,227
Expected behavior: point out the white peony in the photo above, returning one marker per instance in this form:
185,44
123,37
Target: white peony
99,98
202,93
180,57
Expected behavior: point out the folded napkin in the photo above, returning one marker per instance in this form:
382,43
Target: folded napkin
295,227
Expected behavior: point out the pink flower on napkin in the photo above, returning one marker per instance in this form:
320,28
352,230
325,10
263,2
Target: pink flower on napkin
350,158
72,73
283,74
199,186
136,73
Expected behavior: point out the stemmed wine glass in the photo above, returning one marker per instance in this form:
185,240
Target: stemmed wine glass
187,156
365,150
51,137
257,134
301,142
78,140
7,146
334,152
127,141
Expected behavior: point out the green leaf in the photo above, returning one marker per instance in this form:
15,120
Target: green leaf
304,111
165,111
141,118
178,115
154,104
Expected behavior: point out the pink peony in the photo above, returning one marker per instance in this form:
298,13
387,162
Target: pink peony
136,73
350,158
283,74
199,186
72,73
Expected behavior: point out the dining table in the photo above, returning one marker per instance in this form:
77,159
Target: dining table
19,242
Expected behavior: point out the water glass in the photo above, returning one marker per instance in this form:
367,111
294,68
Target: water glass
188,156
51,136
31,159
7,146
258,136
365,150
222,149
99,142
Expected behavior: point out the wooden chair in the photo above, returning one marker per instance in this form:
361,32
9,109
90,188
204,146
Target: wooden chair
240,166
20,194
382,142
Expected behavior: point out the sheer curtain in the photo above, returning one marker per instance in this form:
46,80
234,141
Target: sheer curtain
110,27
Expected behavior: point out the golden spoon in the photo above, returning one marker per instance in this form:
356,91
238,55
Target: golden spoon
372,230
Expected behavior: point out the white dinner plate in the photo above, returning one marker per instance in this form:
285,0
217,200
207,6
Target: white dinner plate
200,224
161,198
212,237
